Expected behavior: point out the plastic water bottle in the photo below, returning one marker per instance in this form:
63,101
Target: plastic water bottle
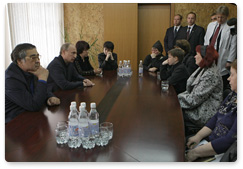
74,141
94,121
119,70
83,104
129,70
84,132
124,68
140,68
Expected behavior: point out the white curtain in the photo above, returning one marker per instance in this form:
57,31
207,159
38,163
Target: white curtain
41,24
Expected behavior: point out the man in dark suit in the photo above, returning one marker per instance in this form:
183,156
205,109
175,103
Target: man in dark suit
26,83
63,74
171,33
193,33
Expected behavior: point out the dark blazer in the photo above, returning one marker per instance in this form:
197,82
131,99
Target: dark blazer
63,76
177,76
107,65
84,68
155,62
170,38
196,37
18,94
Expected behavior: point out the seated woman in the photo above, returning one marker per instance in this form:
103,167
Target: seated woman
189,60
108,59
153,61
221,128
204,90
81,62
177,74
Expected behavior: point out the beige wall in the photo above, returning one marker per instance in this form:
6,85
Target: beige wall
203,11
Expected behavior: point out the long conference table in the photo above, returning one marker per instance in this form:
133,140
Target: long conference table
148,124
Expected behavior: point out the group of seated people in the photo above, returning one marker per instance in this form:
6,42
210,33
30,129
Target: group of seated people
201,79
196,79
28,85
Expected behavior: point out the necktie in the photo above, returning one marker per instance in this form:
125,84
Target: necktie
188,32
215,36
175,32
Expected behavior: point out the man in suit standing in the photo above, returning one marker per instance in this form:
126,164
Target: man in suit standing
171,33
193,33
218,35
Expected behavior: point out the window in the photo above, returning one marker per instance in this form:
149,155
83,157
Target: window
40,24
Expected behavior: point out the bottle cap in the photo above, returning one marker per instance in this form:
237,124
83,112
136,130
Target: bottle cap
81,108
83,104
73,103
92,105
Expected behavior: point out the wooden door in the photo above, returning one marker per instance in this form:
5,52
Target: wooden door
153,21
120,27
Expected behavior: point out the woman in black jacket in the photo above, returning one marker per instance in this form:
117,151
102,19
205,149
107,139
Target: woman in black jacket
153,61
82,63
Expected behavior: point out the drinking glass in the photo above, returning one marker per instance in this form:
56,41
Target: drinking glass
61,132
164,85
109,126
104,136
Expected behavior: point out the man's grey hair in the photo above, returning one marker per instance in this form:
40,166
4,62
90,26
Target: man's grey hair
65,46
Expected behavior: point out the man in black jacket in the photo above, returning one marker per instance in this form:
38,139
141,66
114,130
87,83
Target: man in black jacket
176,74
171,33
63,74
26,83
193,33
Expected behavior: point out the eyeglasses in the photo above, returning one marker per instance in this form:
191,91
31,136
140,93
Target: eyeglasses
34,57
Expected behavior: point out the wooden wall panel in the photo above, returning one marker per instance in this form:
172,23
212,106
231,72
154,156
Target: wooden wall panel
120,27
154,19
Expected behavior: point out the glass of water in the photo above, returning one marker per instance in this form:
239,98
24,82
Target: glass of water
164,85
61,132
104,136
109,127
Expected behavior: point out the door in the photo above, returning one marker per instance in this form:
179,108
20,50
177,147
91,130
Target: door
153,21
120,27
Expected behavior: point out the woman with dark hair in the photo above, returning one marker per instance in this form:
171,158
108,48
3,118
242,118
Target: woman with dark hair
203,93
81,62
188,60
221,128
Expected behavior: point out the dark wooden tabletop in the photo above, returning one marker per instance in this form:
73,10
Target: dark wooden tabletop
148,124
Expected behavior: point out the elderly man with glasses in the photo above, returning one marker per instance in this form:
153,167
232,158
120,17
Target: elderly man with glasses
26,83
